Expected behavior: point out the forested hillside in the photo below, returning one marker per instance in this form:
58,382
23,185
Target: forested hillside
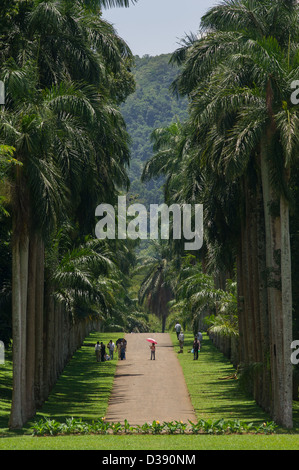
150,107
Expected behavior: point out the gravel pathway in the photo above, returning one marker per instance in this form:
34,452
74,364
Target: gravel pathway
145,390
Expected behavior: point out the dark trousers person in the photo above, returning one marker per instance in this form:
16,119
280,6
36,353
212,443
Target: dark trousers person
195,349
103,352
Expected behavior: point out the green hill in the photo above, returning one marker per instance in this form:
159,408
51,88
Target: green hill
151,106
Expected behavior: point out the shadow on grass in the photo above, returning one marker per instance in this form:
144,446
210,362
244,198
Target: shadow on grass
213,394
82,390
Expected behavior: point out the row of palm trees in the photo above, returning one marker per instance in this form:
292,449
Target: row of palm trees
65,72
235,155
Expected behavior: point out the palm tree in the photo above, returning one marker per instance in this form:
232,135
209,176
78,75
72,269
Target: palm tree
59,102
81,279
155,289
198,298
238,75
171,148
38,197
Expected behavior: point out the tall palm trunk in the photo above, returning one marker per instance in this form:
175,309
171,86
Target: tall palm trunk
39,322
243,350
252,291
20,254
48,377
279,296
27,307
264,399
20,257
251,243
30,336
286,294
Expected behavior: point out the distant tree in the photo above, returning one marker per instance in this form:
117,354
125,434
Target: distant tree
155,289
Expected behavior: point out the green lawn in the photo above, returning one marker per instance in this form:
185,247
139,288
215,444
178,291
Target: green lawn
136,443
212,397
84,388
85,385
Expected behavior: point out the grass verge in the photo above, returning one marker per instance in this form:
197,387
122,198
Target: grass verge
214,396
82,390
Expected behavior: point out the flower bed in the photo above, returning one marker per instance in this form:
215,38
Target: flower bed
48,427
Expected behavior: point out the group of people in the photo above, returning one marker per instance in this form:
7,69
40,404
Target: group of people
102,355
121,344
100,351
196,343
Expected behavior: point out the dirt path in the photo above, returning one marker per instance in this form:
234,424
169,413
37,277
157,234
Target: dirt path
145,390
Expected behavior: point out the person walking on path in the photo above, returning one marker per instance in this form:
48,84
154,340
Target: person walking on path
118,349
177,329
181,340
103,352
122,350
111,347
97,349
195,348
153,351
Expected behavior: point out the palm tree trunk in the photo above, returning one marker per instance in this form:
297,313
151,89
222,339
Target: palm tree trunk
254,281
286,294
31,309
242,303
249,243
245,326
56,339
263,299
240,298
48,377
39,322
20,250
279,315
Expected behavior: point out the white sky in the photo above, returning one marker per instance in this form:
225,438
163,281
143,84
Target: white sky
155,27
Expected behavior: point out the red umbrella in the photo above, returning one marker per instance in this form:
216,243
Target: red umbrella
152,340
